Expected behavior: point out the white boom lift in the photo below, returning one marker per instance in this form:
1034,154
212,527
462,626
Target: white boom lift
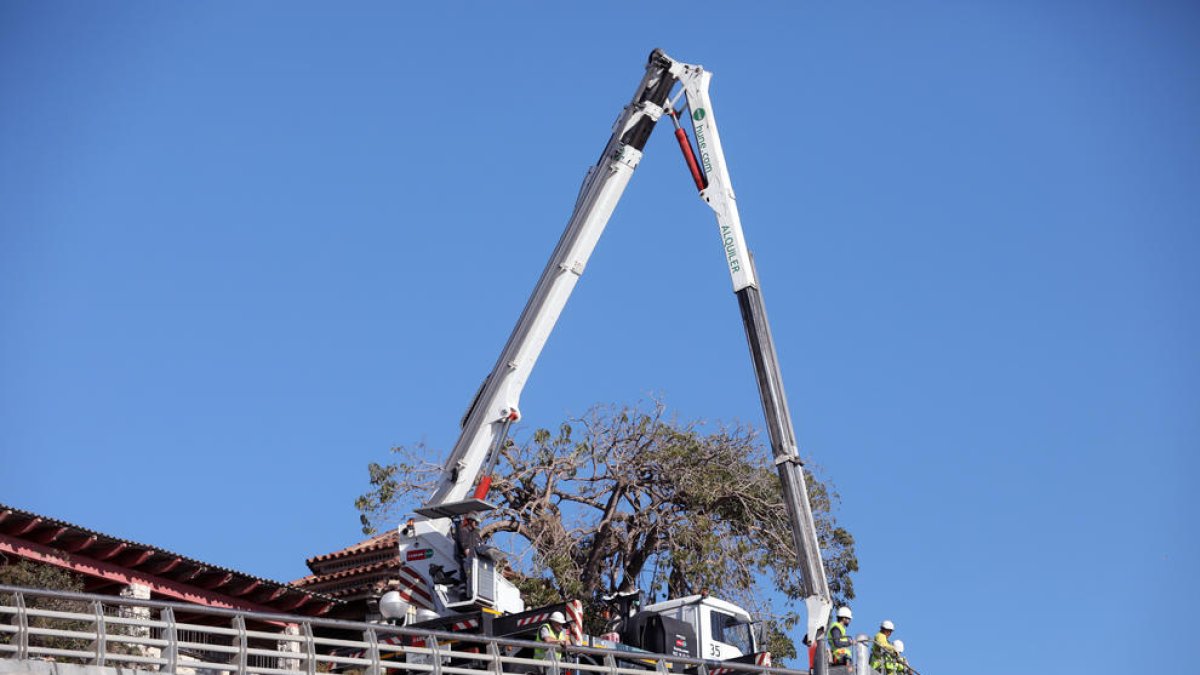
497,404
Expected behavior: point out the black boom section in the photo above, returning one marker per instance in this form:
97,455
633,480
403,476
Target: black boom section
783,439
656,92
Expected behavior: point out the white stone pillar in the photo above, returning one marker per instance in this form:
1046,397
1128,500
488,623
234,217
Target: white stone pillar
292,646
862,650
142,632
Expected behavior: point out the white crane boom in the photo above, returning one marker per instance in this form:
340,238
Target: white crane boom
496,405
711,174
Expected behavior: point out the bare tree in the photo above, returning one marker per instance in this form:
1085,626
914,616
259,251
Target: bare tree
625,497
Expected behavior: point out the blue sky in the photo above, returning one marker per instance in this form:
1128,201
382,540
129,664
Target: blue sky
244,250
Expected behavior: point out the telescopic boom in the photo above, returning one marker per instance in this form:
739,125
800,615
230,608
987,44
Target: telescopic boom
497,404
711,175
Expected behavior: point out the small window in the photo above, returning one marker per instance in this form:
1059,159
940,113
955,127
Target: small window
732,631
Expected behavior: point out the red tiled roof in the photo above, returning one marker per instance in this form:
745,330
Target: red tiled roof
347,573
376,543
102,556
353,581
355,571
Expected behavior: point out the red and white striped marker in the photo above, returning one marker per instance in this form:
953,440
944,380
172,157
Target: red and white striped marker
575,619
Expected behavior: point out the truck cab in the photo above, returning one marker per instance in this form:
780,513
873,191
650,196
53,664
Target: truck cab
723,630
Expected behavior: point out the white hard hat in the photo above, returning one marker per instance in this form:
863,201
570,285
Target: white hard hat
887,625
844,613
899,645
557,617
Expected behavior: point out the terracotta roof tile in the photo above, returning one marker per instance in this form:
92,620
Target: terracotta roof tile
356,580
81,541
376,543
347,573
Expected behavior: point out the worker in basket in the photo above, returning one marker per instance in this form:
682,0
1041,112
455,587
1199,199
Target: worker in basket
882,650
899,664
469,545
466,541
840,642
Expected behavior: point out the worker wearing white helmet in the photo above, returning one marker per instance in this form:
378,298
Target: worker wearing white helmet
883,652
553,632
840,642
900,665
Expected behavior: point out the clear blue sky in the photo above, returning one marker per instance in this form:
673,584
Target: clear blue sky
244,250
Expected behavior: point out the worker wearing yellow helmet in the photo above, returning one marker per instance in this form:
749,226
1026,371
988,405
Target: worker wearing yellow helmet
840,641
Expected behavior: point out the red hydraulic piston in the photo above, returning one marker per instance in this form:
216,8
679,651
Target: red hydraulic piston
689,156
481,490
510,415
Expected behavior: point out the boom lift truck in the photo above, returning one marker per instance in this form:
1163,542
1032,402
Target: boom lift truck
432,590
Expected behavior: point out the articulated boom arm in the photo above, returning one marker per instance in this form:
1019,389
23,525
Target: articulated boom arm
496,406
712,178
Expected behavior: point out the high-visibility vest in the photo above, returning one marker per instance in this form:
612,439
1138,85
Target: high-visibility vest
541,653
882,651
839,642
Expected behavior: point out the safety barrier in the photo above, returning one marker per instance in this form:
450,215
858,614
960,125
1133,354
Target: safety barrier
173,637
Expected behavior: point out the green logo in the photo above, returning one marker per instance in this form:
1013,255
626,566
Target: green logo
699,114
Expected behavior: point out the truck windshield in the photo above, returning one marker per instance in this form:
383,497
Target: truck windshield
730,630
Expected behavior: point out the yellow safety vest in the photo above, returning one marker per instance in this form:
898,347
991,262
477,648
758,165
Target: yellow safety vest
839,642
897,665
882,651
541,653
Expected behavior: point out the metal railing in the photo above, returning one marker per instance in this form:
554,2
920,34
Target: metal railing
862,661
170,637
